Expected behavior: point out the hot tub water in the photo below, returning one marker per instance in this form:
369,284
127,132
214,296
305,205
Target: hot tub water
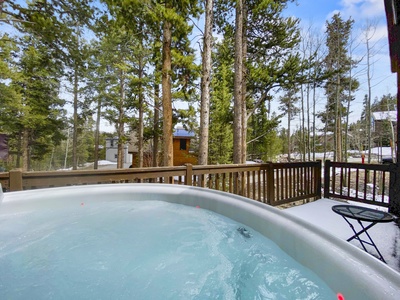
145,250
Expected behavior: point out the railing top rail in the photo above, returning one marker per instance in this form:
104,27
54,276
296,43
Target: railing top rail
296,164
378,167
150,171
228,168
257,165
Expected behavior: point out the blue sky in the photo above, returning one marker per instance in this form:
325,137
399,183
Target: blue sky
314,10
320,10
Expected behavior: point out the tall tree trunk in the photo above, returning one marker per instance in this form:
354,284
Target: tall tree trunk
25,150
308,150
97,136
140,127
313,123
205,85
338,123
166,92
121,122
75,132
369,99
238,82
244,86
302,147
289,113
156,121
346,129
326,136
19,151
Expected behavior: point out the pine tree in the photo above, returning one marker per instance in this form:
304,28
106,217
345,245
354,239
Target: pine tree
170,20
264,51
288,106
221,115
36,119
337,62
205,84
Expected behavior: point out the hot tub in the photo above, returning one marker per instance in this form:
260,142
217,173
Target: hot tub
344,268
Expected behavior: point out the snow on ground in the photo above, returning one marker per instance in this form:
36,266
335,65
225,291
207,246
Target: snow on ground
105,163
385,235
384,151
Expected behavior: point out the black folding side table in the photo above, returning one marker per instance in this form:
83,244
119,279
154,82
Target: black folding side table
363,214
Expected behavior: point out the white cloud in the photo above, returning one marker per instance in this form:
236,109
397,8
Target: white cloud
363,9
380,33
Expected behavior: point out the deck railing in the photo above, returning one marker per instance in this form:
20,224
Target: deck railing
272,183
366,183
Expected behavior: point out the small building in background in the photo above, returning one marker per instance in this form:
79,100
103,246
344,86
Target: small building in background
147,152
379,118
181,147
181,144
112,150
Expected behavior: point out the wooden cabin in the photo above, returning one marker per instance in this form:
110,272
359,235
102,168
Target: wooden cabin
181,148
181,145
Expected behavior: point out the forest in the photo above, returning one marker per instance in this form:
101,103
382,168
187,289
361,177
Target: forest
213,66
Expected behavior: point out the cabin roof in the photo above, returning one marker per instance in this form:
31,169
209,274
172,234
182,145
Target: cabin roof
385,115
183,133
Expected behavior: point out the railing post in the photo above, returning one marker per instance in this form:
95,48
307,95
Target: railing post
318,179
189,175
327,179
394,189
15,180
270,183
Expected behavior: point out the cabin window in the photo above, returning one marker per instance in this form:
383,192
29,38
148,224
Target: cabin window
182,145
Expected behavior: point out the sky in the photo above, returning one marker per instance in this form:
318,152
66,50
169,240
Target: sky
315,13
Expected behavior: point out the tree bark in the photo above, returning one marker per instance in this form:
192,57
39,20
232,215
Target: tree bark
238,88
140,127
156,121
97,136
25,150
75,131
244,87
121,123
166,92
205,85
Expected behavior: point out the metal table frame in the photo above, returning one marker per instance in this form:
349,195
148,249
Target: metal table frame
365,214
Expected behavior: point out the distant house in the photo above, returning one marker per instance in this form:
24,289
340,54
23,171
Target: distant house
112,150
378,117
181,145
181,148
384,127
147,151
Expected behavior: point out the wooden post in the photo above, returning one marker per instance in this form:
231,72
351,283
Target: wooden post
392,9
189,174
270,183
327,179
394,186
15,177
318,179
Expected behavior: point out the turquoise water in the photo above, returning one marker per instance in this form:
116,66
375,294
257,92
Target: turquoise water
144,250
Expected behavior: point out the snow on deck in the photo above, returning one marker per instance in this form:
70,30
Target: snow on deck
385,235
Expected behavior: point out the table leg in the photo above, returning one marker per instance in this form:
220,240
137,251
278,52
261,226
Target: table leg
356,235
372,242
364,230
